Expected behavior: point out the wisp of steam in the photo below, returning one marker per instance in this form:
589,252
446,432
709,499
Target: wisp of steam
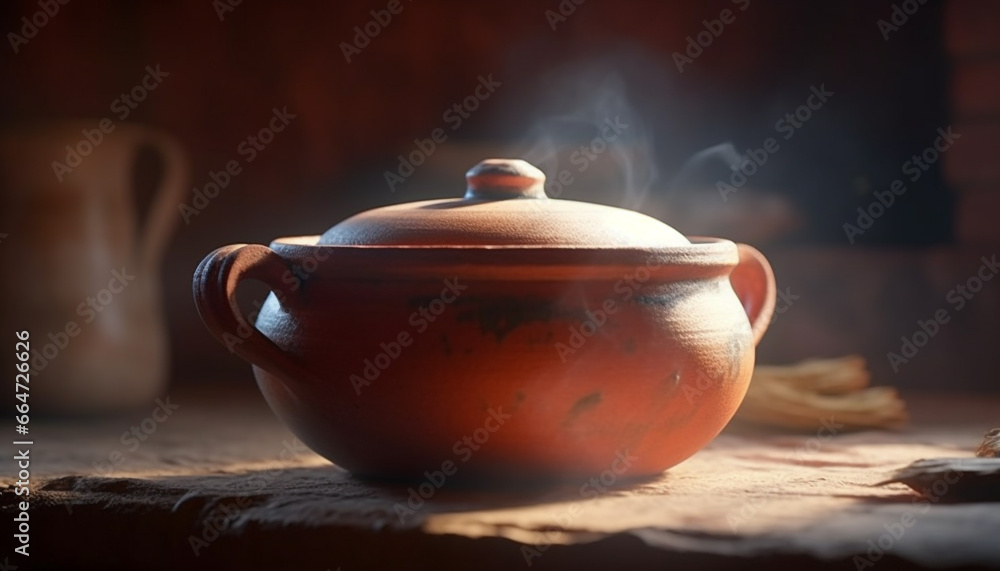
570,139
594,113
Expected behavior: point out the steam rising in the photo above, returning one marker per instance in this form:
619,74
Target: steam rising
706,167
569,141
576,139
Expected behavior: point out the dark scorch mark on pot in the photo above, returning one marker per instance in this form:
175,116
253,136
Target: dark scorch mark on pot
583,404
519,397
446,343
664,301
500,317
668,297
629,346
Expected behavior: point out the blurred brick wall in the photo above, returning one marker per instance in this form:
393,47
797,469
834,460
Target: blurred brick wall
973,168
354,118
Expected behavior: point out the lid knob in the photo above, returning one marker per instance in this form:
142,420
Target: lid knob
500,179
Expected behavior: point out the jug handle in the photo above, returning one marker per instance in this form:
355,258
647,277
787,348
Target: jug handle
215,283
754,284
162,215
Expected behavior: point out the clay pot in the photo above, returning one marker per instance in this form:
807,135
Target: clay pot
86,247
502,335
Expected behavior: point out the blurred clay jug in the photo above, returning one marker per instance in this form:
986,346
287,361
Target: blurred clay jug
80,252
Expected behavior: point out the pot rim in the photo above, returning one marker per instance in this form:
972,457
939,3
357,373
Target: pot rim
705,257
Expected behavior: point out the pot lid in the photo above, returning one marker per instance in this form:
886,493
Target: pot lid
504,206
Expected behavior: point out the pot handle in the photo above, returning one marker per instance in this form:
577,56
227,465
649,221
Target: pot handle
753,281
161,215
215,283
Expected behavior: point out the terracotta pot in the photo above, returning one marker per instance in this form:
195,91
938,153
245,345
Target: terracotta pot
504,334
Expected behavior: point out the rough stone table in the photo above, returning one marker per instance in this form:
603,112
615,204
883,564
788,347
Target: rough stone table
220,484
